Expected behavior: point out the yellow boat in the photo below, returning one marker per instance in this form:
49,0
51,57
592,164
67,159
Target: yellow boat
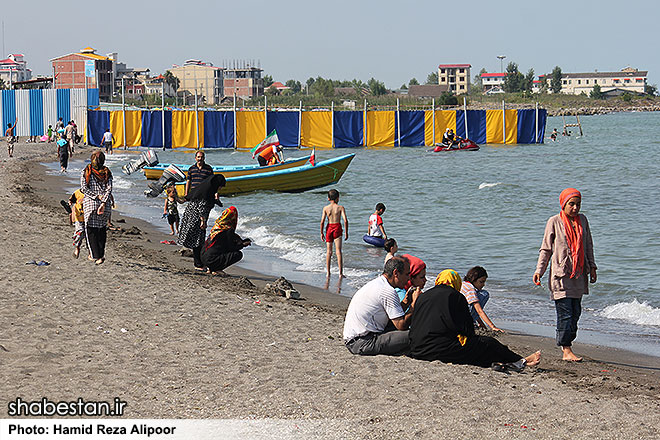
154,173
298,179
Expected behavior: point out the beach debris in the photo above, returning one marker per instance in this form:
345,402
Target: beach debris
123,330
272,344
133,230
282,287
167,242
39,263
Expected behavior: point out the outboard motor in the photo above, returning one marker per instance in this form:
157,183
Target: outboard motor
147,158
171,174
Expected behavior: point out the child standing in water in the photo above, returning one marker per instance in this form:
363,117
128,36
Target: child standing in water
171,210
334,212
568,247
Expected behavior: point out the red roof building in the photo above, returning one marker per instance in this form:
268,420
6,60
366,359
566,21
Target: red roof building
14,69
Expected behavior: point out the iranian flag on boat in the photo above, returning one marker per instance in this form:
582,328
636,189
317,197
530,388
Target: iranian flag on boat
270,141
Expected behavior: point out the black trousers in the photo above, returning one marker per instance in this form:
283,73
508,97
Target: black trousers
197,256
262,162
96,238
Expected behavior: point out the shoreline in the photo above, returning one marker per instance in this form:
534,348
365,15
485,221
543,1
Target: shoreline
179,344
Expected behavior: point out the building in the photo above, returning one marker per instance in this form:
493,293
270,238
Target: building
278,86
14,69
243,82
201,79
493,83
158,85
627,80
455,76
426,91
84,69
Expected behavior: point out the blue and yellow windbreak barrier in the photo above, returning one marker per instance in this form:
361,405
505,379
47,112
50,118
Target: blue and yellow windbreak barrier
36,109
318,129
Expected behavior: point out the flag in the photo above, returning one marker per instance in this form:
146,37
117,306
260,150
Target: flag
312,157
271,140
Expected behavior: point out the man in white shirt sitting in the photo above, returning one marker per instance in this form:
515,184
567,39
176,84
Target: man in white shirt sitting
366,329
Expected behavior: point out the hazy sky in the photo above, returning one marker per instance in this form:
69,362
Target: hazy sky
391,41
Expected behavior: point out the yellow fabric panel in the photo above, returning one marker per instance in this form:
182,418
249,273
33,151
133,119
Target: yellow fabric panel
117,128
444,119
184,129
380,128
494,129
511,126
250,129
316,129
133,128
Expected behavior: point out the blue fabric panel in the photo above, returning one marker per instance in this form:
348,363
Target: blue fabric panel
460,124
97,122
36,113
64,105
348,129
286,124
412,128
152,129
8,109
219,129
476,126
93,97
543,117
527,125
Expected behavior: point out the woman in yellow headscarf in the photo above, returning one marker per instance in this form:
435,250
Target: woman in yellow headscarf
442,329
223,247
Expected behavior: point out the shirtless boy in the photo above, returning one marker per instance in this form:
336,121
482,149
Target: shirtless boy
334,212
11,139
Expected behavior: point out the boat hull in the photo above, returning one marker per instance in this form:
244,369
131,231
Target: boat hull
154,173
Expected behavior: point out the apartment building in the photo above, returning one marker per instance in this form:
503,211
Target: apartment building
626,80
455,76
243,82
199,78
84,69
14,69
493,82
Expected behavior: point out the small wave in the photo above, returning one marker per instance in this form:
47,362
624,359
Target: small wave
633,311
489,185
121,183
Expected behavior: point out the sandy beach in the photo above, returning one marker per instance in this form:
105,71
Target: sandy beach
175,343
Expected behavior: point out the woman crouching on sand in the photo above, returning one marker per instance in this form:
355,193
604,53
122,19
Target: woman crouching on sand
567,244
96,185
442,329
223,247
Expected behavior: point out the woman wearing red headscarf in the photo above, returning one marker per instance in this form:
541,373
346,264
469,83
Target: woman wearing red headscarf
223,247
417,280
568,248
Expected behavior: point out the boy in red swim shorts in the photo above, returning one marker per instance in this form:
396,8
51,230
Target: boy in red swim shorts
334,212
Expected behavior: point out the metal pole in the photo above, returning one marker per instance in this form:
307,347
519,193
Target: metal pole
398,121
123,111
235,140
265,116
503,122
433,116
54,76
365,123
536,130
465,114
162,111
196,119
332,124
299,123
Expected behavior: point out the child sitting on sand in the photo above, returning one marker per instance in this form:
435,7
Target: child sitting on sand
472,289
334,212
171,210
376,228
391,247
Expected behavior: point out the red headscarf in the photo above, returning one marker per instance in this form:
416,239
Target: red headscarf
573,230
416,266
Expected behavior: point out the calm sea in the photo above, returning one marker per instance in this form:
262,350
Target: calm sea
460,209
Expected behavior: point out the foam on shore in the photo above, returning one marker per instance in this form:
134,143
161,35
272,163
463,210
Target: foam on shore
634,312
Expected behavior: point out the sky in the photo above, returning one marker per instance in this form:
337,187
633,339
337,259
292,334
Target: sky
387,40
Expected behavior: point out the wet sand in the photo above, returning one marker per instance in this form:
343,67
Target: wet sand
176,343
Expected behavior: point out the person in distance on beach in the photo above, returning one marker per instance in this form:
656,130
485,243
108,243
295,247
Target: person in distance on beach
334,213
192,230
568,247
11,139
96,185
472,289
223,247
107,140
376,322
442,329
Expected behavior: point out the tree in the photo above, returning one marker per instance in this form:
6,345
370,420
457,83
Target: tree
271,91
172,80
404,86
478,83
432,78
529,80
294,86
627,97
651,89
322,87
447,98
268,80
555,81
514,80
596,93
413,82
377,87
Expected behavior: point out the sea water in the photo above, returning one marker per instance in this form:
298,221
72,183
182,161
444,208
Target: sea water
461,209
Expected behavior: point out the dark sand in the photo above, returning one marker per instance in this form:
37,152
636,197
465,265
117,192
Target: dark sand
175,343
